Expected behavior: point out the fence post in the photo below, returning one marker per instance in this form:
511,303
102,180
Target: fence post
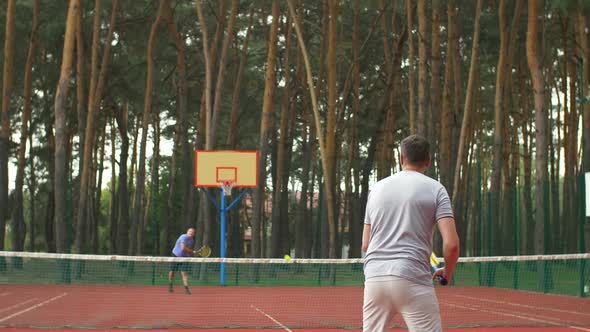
582,219
480,215
516,237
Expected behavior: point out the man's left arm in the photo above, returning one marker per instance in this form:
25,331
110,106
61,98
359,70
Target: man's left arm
366,237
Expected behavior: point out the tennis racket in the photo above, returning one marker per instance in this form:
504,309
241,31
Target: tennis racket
434,266
204,251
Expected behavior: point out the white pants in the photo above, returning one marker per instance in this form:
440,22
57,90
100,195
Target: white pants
386,296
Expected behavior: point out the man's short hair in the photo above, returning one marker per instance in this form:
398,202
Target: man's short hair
416,149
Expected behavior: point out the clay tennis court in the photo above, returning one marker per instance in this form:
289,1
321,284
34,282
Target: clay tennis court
29,307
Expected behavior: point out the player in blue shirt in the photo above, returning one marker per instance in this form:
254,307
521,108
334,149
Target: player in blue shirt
182,248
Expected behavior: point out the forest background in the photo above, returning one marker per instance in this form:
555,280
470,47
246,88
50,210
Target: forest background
105,101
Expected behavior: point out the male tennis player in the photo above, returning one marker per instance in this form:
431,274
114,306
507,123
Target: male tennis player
182,248
402,211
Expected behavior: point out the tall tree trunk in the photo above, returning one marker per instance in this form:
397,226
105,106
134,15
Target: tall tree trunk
461,167
181,154
435,93
412,108
265,125
32,194
216,107
208,73
288,198
388,128
512,140
564,25
49,224
80,81
113,190
422,69
385,35
303,237
385,155
18,220
93,229
205,235
554,175
95,97
122,227
84,197
61,131
93,81
385,149
330,157
458,88
570,231
447,116
138,201
581,231
354,225
133,169
584,244
152,208
235,107
280,218
498,151
469,105
527,161
540,123
4,115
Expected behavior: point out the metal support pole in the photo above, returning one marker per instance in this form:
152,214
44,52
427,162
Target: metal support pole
222,212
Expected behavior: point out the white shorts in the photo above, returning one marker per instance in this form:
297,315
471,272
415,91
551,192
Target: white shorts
385,296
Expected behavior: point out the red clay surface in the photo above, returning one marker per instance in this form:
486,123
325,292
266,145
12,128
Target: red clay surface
117,308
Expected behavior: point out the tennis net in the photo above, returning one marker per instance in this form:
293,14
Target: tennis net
104,291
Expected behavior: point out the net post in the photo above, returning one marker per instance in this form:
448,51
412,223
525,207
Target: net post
480,215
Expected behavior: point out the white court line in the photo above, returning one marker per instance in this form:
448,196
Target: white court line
5,294
517,316
524,305
35,307
274,320
18,304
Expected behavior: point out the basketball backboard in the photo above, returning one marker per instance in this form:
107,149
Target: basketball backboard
215,167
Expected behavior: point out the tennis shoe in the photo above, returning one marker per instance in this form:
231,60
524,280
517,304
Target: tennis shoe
187,291
170,288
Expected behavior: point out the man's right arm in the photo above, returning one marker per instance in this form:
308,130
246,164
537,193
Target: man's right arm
186,249
448,232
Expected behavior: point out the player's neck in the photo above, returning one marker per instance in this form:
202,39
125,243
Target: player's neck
414,168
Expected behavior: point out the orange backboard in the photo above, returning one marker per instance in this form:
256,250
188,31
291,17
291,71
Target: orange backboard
213,167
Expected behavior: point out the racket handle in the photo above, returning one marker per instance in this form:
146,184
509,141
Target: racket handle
440,279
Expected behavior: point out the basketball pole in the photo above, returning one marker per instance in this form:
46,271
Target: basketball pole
221,207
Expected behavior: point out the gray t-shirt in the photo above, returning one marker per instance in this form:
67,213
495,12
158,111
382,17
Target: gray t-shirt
403,210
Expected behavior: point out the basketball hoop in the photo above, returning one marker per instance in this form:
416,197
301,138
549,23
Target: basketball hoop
227,186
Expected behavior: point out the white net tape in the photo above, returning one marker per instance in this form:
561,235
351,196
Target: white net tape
491,259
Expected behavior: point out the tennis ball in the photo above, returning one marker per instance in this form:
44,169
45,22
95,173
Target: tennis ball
287,258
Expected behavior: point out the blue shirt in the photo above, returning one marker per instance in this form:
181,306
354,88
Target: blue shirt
188,242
